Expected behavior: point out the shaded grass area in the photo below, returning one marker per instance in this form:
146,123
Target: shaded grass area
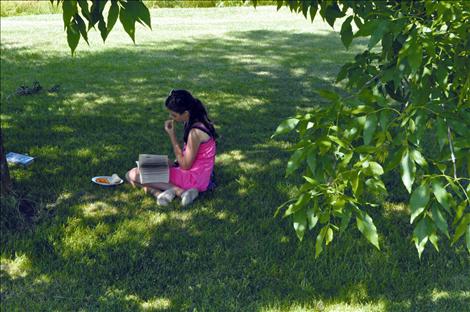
115,250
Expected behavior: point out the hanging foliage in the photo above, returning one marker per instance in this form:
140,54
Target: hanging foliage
81,15
409,111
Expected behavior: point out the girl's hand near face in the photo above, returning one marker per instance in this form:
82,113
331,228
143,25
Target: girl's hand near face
170,127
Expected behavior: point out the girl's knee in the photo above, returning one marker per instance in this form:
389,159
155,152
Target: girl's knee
132,175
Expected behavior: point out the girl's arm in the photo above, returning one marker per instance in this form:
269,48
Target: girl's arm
194,140
186,161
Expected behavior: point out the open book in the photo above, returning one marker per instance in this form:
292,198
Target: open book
19,159
153,168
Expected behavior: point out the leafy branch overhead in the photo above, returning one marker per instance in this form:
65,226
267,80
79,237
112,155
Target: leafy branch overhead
81,15
408,112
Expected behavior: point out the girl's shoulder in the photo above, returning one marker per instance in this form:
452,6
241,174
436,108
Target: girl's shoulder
200,126
201,134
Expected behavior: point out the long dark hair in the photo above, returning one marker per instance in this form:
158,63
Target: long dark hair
182,100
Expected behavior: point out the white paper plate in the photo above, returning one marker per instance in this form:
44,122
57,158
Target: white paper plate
94,180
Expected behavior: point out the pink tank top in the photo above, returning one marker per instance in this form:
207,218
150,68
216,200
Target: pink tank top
199,175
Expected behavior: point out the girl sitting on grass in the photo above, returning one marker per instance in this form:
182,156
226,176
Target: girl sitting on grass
192,171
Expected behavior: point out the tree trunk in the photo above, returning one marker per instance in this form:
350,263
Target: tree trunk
5,173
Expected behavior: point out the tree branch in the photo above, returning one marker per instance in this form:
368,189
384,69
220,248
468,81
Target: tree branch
451,146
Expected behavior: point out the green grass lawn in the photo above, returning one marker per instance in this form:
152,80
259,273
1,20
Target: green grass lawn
96,249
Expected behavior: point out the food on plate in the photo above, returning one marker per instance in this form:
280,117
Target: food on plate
102,180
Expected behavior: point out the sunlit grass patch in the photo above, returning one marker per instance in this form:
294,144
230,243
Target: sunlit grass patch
99,209
319,305
19,267
156,304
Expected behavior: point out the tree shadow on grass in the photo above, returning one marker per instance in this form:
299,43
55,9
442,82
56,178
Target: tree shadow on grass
114,249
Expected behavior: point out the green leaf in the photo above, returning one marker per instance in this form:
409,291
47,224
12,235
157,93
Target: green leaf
415,56
418,201
144,14
375,168
304,8
459,212
332,13
387,41
324,216
343,72
81,27
338,141
418,158
324,145
312,160
461,228
356,184
310,180
346,159
458,126
441,132
101,5
85,10
369,128
434,239
358,22
313,9
360,109
441,194
329,95
393,160
337,202
73,36
408,170
300,223
345,219
442,167
95,13
286,126
454,186
295,161
346,32
103,29
312,219
319,241
127,21
376,186
367,28
412,51
140,12
365,224
411,125
278,209
421,233
378,33
384,118
467,238
439,220
329,236
361,120
299,204
69,9
112,15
